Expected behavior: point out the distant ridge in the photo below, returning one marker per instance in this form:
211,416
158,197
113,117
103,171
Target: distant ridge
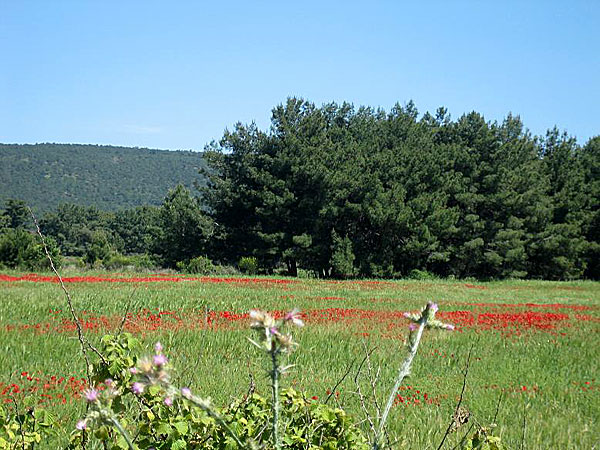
109,177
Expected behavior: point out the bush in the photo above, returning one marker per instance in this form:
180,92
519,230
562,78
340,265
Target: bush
179,423
20,249
422,275
248,265
118,261
201,265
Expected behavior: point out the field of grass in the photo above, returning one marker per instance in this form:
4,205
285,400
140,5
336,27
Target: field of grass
535,356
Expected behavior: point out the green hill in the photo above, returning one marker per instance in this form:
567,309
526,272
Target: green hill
110,178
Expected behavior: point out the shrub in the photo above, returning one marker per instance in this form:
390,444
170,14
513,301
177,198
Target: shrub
200,265
20,249
118,261
422,275
170,419
248,265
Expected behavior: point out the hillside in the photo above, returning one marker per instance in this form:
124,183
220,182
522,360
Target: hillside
110,178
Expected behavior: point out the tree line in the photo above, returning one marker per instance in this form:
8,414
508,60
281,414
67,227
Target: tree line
340,191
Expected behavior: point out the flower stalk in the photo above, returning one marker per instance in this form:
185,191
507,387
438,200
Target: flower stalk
274,342
426,319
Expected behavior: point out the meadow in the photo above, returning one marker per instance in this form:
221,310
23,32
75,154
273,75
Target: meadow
534,367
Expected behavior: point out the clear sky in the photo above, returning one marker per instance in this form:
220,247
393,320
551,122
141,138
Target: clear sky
174,75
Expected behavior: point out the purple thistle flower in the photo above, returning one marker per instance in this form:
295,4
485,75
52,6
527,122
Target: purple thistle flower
158,348
91,395
159,360
133,370
137,388
294,317
186,392
433,307
412,326
81,425
168,401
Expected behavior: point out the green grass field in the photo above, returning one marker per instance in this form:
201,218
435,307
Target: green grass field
535,349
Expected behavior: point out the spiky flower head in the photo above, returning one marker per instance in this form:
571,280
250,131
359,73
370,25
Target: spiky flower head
427,316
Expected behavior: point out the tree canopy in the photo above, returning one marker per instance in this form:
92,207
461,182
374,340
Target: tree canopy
384,193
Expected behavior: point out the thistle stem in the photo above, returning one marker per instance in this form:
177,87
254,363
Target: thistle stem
123,432
205,406
402,374
275,389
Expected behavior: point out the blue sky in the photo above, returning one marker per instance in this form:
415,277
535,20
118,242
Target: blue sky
174,75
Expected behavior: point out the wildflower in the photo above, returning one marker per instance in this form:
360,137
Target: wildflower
168,401
81,425
145,365
91,395
186,392
285,340
109,382
294,317
412,326
133,370
260,319
159,360
137,388
158,348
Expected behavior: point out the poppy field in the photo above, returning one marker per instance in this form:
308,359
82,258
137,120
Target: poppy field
534,368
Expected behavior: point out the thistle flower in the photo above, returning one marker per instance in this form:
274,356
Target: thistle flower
186,392
91,395
81,425
137,388
145,365
294,317
158,348
168,401
285,340
159,360
261,319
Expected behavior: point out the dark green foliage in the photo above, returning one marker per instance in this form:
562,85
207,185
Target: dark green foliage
248,265
98,248
20,249
200,265
185,229
466,198
16,213
342,257
110,178
463,198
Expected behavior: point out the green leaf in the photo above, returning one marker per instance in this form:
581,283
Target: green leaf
179,444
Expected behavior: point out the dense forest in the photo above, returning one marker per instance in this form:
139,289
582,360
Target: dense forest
107,177
343,192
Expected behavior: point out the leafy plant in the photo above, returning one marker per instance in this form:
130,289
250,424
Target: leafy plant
483,439
200,265
248,265
23,430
